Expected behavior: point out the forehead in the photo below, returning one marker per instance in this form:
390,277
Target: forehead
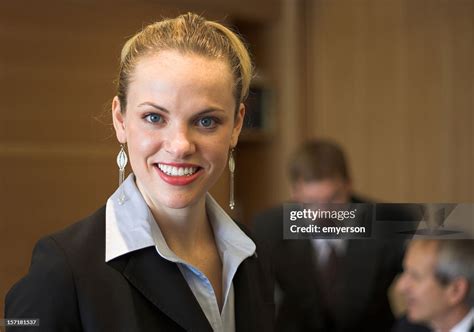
178,64
323,186
421,255
178,81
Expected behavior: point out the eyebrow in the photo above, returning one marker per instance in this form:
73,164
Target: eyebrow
158,107
211,110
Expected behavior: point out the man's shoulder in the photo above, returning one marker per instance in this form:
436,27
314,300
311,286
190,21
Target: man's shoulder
272,213
269,223
358,199
404,325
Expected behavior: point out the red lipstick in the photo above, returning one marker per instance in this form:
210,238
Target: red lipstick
179,180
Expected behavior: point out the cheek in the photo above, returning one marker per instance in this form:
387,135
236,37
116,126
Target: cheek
217,147
216,153
140,143
419,288
401,284
427,295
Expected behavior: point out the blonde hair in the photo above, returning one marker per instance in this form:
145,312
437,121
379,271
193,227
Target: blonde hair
188,33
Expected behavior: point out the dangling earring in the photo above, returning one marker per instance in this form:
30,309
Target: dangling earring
122,161
232,170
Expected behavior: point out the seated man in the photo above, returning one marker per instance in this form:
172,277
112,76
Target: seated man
327,285
438,286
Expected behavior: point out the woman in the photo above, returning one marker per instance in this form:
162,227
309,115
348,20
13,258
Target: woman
174,260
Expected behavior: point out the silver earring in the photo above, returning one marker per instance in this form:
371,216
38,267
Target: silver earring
232,170
122,161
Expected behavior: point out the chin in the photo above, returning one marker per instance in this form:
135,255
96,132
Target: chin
178,205
180,202
412,316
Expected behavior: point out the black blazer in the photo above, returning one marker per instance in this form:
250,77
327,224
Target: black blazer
368,269
404,325
70,287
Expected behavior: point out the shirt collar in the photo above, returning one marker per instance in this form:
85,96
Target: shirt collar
127,223
465,324
130,226
228,235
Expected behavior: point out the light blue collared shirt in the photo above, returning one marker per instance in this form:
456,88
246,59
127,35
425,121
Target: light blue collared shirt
131,226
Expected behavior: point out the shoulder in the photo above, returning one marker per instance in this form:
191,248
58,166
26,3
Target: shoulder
91,228
261,247
80,238
254,284
83,243
267,226
41,293
358,199
261,261
403,325
273,214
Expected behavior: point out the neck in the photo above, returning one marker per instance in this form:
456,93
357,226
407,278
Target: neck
450,319
184,229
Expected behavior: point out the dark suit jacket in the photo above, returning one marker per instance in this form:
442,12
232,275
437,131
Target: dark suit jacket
403,325
368,269
69,287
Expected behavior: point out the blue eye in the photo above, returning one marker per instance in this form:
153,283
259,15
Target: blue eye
207,122
154,118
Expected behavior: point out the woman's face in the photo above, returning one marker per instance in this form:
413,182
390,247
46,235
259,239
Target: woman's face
179,126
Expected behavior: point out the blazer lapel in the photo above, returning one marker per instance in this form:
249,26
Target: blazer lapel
162,283
253,301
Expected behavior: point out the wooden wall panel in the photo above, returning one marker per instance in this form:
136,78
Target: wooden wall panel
392,81
262,164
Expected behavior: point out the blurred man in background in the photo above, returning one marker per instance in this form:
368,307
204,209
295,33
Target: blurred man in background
438,286
327,285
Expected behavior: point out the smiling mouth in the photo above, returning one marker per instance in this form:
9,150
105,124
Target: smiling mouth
177,171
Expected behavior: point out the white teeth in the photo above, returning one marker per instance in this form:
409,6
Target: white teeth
177,171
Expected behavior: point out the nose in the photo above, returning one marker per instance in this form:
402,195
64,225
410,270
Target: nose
402,284
179,142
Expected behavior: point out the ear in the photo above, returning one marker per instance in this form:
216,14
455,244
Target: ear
348,189
349,185
119,121
293,195
294,191
457,290
238,123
